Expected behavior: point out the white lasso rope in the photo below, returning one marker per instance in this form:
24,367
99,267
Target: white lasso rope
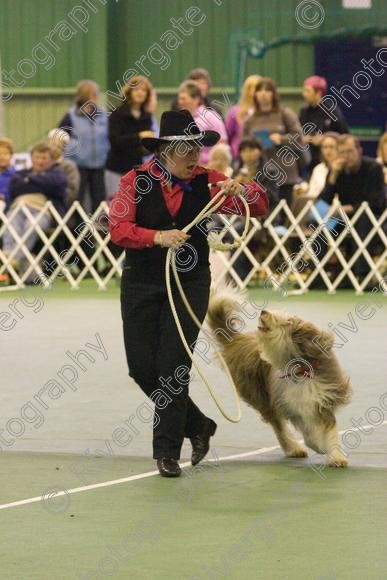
171,259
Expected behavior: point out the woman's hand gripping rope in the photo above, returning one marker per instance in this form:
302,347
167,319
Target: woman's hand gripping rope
230,188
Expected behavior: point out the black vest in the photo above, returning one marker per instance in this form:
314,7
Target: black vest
148,264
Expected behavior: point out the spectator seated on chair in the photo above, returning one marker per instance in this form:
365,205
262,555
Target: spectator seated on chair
304,192
355,178
32,188
57,140
251,162
6,169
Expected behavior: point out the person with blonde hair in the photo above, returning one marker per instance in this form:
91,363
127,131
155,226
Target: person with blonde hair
237,114
313,188
304,192
220,159
128,124
87,126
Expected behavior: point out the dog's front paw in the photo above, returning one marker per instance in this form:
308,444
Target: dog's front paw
338,461
298,451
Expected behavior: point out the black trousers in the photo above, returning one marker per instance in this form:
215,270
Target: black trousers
154,350
286,193
92,181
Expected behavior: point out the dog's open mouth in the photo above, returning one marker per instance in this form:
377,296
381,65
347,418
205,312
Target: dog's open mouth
262,326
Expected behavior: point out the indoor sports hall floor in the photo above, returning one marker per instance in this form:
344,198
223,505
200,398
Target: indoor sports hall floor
249,513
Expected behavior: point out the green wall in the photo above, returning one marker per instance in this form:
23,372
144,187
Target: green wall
119,32
136,25
24,24
211,44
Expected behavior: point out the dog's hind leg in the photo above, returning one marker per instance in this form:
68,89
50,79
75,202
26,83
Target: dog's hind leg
323,438
290,446
336,456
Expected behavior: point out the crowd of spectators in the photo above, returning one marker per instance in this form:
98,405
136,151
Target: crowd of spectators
296,158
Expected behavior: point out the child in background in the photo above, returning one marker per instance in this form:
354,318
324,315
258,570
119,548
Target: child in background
251,163
250,154
6,169
220,159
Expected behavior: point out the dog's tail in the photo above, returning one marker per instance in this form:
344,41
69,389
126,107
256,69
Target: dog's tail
223,302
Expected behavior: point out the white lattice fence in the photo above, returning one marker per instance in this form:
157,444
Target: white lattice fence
77,245
281,264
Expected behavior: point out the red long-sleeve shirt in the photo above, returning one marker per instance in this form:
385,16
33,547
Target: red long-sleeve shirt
126,233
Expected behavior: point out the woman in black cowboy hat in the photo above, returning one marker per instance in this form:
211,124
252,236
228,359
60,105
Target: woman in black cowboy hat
147,216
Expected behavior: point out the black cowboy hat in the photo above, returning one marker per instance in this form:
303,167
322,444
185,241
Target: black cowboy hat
179,126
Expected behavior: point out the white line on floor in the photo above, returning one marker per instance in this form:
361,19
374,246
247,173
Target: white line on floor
152,473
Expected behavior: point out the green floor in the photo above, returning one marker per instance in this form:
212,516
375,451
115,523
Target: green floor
287,522
256,516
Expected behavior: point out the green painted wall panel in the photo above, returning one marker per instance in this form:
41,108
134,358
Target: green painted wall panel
212,44
28,119
26,23
120,32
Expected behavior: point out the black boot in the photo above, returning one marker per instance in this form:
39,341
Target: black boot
201,441
168,467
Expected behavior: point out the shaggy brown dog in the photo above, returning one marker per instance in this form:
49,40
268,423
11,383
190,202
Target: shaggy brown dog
270,376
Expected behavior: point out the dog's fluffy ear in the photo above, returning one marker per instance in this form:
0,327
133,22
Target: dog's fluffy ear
309,340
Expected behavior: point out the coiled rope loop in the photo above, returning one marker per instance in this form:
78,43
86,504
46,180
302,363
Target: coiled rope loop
210,208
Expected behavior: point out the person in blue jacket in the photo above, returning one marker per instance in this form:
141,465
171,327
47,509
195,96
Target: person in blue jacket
87,126
32,189
6,169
